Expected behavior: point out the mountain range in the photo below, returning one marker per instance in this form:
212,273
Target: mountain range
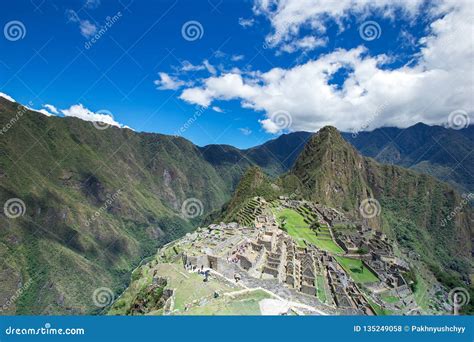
94,203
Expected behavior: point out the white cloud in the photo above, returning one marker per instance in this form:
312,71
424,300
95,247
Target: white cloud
92,4
51,108
8,97
87,28
236,58
270,126
209,67
246,22
372,95
188,66
226,87
79,111
307,43
167,82
217,109
288,17
42,111
245,131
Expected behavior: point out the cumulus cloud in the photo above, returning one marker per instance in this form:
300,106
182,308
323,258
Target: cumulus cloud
372,95
288,17
51,108
79,111
167,82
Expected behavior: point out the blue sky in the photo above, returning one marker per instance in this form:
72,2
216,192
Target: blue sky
254,70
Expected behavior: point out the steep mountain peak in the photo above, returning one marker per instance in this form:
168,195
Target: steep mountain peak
327,143
331,170
330,137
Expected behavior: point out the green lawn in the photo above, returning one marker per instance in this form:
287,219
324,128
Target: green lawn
389,298
245,304
300,231
320,288
378,310
357,270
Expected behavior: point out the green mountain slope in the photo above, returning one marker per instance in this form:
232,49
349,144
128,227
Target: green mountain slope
96,203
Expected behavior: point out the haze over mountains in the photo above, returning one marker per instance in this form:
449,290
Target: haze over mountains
98,201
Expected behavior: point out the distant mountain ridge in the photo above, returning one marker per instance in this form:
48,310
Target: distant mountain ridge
444,153
441,152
